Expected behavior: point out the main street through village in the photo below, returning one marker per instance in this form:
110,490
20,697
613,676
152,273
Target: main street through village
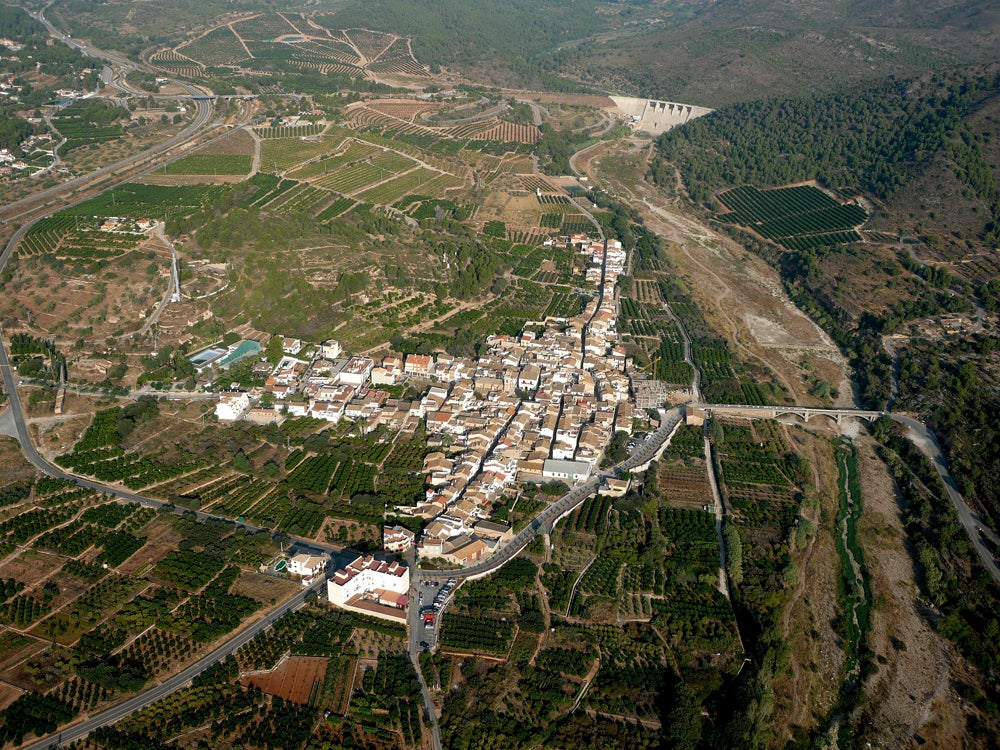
57,197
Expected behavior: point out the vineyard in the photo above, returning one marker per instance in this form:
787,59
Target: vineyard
284,152
176,63
220,46
266,26
288,133
799,217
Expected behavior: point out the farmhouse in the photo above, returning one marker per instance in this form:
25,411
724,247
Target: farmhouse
306,566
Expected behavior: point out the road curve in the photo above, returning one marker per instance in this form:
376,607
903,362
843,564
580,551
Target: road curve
925,441
39,461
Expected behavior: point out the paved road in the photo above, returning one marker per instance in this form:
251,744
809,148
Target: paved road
116,713
924,440
204,112
415,626
36,459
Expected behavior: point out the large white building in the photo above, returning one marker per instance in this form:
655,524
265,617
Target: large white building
232,406
373,587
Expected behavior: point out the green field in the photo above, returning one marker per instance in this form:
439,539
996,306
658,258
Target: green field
214,164
796,217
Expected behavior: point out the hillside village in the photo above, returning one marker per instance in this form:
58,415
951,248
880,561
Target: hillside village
538,407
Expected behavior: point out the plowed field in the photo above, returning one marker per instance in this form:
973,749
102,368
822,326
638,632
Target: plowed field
294,680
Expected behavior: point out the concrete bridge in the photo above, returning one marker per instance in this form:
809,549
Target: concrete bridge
805,413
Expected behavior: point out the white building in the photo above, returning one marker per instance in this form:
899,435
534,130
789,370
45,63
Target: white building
331,349
306,566
357,370
396,538
574,471
232,406
372,587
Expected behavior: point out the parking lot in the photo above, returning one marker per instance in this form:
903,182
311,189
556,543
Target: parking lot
432,596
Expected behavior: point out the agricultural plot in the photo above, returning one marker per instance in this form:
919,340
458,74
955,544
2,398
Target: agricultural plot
211,164
303,197
334,50
69,237
220,46
355,177
96,611
285,132
509,132
389,192
371,44
79,133
398,58
268,187
298,679
339,207
356,152
139,201
759,479
98,454
281,153
468,634
796,217
176,63
266,26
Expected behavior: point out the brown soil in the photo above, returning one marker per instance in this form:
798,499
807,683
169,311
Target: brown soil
31,567
15,647
816,659
912,700
237,142
293,680
15,467
189,179
8,694
263,588
511,209
146,557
